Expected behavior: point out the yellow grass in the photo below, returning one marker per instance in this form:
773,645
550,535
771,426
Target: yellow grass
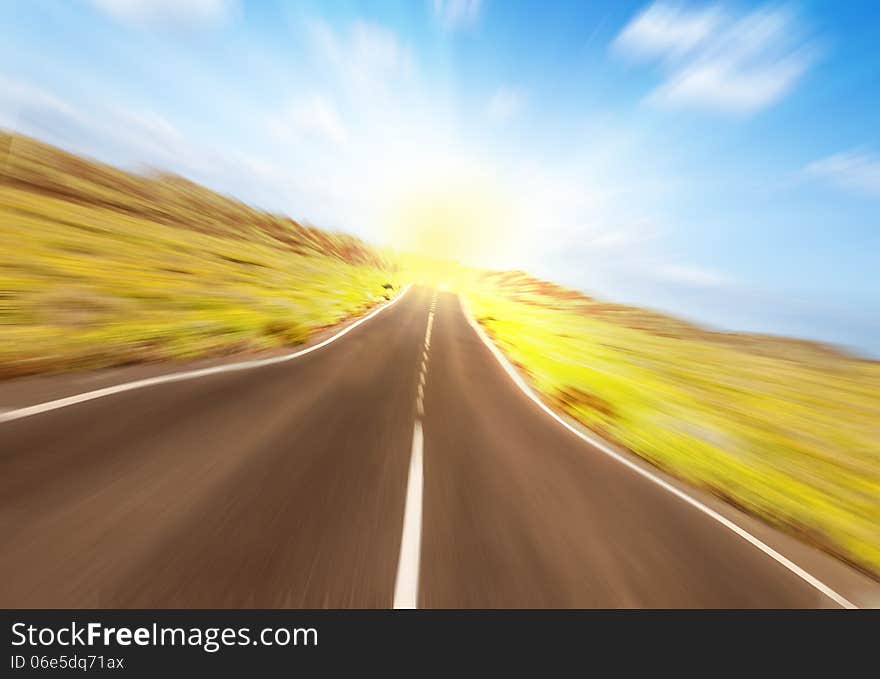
99,267
787,429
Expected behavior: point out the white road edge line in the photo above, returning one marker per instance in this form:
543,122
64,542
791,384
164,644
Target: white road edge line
839,599
406,584
189,374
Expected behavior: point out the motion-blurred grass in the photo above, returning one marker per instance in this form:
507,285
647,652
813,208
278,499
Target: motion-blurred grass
787,429
101,267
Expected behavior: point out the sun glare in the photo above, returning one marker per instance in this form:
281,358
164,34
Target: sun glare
461,216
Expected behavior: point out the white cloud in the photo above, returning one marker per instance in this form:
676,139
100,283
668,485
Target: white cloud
377,48
168,12
662,30
855,170
723,87
368,57
714,60
315,116
453,14
505,103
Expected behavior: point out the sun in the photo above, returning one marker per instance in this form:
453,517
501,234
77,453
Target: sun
460,215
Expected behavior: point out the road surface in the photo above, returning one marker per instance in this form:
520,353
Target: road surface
398,465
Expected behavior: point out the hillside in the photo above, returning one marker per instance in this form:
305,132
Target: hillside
785,428
99,266
166,199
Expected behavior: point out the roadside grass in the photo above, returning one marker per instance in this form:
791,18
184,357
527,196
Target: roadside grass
88,280
788,430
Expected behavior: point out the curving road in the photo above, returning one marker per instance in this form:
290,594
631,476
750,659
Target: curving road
397,465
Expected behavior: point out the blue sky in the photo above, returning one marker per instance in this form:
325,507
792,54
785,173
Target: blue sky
720,161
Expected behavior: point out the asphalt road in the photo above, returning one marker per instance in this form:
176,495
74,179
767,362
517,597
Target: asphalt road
398,465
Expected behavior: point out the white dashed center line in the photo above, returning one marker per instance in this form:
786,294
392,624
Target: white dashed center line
406,585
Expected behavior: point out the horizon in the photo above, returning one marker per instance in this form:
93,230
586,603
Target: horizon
717,162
